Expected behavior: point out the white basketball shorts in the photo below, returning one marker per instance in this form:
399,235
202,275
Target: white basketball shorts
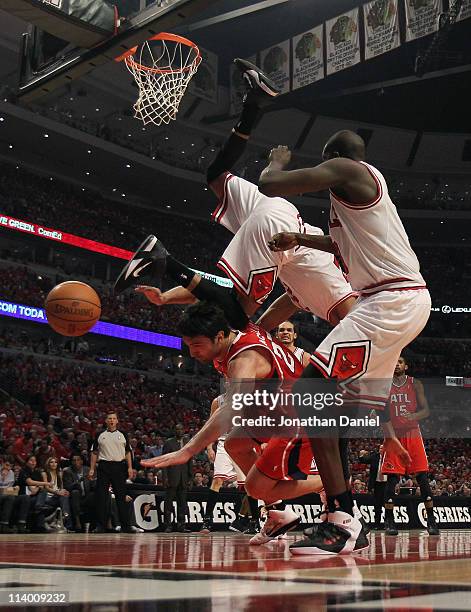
310,277
364,347
224,466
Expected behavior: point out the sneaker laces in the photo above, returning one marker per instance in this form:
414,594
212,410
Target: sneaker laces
330,532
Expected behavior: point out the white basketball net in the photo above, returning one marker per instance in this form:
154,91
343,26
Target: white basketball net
162,69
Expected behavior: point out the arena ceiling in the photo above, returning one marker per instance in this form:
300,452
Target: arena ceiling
384,90
439,101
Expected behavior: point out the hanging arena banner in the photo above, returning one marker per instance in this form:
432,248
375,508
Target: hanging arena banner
422,17
450,512
381,27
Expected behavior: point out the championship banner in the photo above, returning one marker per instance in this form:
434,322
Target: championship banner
422,17
381,27
205,82
343,42
237,87
465,12
409,511
275,62
308,57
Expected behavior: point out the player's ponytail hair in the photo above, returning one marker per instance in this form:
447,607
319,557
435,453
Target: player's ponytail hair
203,319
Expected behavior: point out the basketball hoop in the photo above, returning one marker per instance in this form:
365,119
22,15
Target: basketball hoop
162,68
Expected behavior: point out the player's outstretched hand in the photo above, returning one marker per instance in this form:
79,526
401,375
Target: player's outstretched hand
395,447
153,294
280,155
283,242
176,458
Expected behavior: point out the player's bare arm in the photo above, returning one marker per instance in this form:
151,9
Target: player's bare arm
209,448
176,295
422,403
246,367
344,176
280,310
285,241
392,444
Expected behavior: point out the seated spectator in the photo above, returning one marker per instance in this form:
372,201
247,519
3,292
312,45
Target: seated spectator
31,483
7,497
140,477
54,495
198,482
80,489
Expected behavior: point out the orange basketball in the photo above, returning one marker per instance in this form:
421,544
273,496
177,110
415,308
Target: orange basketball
72,308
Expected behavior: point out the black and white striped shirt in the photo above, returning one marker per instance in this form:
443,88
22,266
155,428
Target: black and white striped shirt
111,445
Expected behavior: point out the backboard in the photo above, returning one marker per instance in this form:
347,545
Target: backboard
48,62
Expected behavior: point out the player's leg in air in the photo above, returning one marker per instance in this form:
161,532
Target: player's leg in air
152,260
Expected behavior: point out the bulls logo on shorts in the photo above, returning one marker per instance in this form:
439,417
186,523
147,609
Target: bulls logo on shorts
349,361
262,284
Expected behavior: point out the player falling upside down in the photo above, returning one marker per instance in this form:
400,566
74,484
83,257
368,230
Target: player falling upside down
311,278
250,356
368,237
408,405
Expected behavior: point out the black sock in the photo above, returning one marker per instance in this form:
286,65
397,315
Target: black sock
179,272
253,505
227,157
248,118
225,298
389,508
345,502
213,498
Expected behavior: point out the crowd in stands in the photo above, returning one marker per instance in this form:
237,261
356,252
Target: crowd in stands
37,199
59,416
432,191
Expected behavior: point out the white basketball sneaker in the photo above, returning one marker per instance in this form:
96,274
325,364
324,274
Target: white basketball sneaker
277,523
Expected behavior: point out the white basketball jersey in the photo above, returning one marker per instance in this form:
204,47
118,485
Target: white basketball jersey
373,243
299,353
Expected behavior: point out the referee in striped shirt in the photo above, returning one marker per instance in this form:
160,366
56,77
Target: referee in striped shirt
112,451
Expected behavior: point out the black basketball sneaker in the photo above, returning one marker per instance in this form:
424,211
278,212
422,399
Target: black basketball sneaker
261,90
148,262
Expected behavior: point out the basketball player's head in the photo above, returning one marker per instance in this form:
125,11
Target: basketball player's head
286,333
205,331
344,144
401,367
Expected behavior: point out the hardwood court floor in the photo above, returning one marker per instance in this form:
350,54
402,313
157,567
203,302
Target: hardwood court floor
221,572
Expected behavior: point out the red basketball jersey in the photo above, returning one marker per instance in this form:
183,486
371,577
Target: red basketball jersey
285,366
403,401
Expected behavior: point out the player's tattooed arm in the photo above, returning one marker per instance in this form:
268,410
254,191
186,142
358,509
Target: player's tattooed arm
275,181
281,310
284,241
176,295
245,367
422,403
